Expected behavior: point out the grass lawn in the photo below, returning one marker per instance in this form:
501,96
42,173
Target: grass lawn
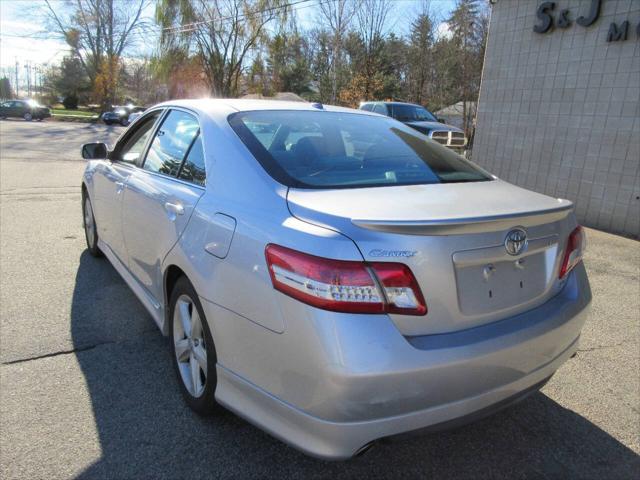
64,111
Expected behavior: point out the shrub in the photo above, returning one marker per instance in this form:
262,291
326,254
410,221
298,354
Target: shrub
70,102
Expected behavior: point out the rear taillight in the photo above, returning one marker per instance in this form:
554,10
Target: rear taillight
345,286
576,245
401,290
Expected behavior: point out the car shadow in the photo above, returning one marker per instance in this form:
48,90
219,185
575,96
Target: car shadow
147,431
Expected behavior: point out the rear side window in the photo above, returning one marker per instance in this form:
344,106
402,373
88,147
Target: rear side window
193,167
309,149
367,107
171,143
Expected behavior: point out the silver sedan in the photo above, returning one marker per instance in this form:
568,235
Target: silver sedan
331,275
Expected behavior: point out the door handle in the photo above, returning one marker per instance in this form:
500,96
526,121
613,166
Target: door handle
174,209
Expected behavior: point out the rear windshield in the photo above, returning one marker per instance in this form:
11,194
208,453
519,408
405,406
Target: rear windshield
308,149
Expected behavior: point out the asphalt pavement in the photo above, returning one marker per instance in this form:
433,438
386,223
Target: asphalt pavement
87,389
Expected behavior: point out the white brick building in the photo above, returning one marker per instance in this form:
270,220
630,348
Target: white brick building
559,112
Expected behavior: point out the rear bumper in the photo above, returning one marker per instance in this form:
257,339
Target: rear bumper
375,383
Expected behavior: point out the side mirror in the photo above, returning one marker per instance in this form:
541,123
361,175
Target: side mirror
94,151
442,120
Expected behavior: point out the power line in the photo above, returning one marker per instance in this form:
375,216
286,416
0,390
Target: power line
48,36
142,32
189,27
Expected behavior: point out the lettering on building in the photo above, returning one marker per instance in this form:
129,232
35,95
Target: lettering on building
549,18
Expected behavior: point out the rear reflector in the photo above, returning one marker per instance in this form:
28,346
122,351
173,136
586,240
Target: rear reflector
576,245
345,286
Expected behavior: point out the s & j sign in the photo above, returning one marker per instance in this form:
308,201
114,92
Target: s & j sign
617,31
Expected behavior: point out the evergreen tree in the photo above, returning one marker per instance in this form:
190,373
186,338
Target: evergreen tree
6,91
420,58
467,27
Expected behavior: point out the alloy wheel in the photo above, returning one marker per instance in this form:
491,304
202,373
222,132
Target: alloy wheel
189,346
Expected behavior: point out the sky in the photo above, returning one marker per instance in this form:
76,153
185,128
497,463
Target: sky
26,38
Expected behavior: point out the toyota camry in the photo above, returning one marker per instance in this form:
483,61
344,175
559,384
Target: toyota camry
332,275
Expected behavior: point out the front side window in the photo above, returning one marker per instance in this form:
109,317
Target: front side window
133,146
309,149
171,143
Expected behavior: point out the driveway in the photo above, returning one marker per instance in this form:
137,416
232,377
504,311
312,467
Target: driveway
87,387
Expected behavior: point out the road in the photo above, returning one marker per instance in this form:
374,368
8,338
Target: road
87,388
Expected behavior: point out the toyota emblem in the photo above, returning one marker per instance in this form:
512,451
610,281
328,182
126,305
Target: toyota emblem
516,241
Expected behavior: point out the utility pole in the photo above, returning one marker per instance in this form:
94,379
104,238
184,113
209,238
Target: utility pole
43,73
17,85
465,122
26,72
36,77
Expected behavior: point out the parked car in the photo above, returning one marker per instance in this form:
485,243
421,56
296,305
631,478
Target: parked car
121,114
135,115
421,119
329,275
27,109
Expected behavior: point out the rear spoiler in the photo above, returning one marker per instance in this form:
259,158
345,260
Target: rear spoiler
459,226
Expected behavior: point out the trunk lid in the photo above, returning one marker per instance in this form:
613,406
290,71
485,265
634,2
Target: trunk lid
453,238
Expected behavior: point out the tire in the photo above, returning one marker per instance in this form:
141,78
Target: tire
192,349
124,122
89,224
28,117
107,122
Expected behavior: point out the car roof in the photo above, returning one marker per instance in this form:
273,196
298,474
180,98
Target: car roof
403,103
226,106
393,103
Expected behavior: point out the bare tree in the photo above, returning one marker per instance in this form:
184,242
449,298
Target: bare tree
98,32
338,14
220,32
372,22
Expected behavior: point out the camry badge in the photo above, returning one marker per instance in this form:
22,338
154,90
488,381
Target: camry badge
392,253
516,241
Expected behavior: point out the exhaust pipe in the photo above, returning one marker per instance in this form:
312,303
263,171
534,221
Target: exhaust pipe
362,450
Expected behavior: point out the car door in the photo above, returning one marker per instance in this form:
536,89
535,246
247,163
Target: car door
21,109
110,179
15,109
161,196
5,108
